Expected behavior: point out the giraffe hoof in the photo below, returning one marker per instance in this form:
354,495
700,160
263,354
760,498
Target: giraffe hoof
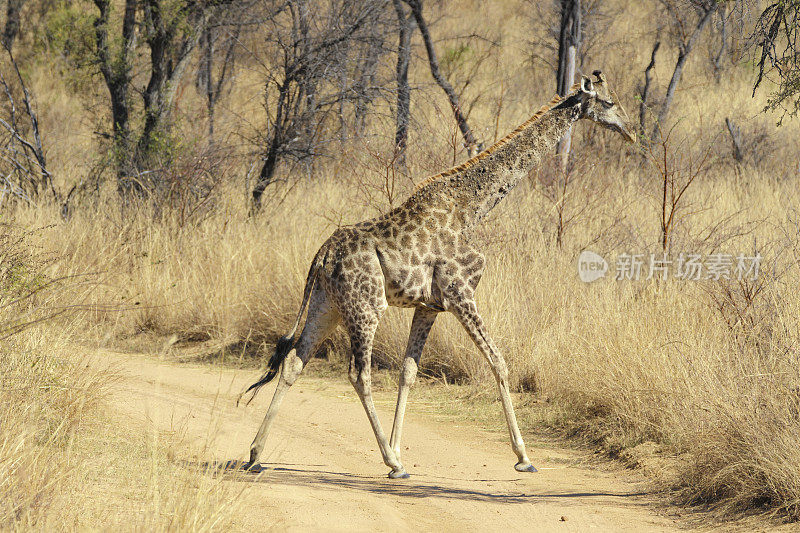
525,467
254,456
251,466
398,474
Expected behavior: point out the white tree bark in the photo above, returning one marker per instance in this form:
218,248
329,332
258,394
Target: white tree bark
565,144
568,44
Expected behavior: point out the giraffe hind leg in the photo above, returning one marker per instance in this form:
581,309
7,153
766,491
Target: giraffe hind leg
362,332
322,319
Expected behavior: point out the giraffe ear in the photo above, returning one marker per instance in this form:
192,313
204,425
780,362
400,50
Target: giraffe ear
587,86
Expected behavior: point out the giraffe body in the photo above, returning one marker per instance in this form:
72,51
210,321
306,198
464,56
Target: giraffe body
422,255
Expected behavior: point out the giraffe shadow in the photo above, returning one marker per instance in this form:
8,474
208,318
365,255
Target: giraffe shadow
419,486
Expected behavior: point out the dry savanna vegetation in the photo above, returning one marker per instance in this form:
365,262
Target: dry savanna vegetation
174,225
66,462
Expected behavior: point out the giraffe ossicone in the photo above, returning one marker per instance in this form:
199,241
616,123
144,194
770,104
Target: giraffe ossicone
423,255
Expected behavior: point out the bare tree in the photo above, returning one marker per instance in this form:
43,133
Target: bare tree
470,142
23,162
210,87
723,31
644,90
218,42
368,85
171,33
596,19
687,19
676,168
306,57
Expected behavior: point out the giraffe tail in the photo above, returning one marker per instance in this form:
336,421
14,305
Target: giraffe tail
286,343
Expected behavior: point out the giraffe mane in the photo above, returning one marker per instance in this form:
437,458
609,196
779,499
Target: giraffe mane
471,162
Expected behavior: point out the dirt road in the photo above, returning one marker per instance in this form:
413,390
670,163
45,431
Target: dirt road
322,470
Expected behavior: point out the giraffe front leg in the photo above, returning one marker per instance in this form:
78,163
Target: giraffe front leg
467,313
420,327
408,375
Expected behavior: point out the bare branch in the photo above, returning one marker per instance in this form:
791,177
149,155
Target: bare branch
34,171
685,47
648,78
775,40
470,142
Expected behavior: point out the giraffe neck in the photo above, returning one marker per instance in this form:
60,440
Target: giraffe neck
480,187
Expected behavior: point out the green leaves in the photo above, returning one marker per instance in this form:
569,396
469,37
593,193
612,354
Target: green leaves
69,31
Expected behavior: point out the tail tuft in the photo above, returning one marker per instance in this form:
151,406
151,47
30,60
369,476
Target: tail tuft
286,343
282,349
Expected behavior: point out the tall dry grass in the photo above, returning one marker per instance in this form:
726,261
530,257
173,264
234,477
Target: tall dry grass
43,404
43,399
56,428
707,369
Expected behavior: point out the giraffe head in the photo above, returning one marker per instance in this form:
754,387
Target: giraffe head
599,104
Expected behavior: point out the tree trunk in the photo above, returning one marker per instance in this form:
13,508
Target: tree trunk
206,84
723,37
158,40
470,142
11,29
267,173
169,57
406,25
568,48
367,66
565,143
736,139
683,54
116,71
208,81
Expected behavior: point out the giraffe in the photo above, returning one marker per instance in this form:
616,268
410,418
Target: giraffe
423,255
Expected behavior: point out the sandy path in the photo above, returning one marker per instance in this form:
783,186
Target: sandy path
322,470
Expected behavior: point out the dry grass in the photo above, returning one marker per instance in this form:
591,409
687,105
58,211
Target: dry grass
43,403
59,442
708,370
698,367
